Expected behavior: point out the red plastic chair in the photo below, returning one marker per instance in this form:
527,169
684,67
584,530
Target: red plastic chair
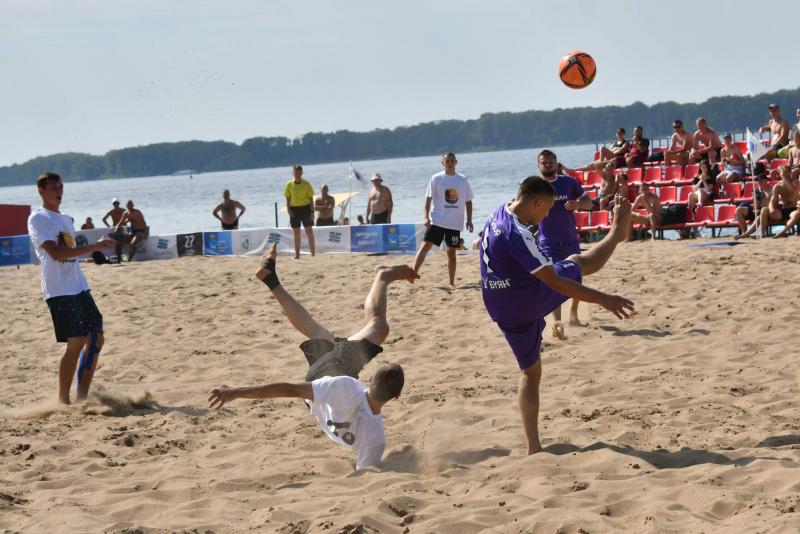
673,173
578,175
778,163
726,218
581,220
639,226
600,220
702,216
635,175
652,175
691,171
668,194
593,179
683,194
728,193
592,193
747,193
633,192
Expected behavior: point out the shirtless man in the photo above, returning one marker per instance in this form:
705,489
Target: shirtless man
614,155
324,205
379,205
733,163
681,145
138,230
347,410
88,225
647,200
611,186
228,207
707,144
779,128
794,155
116,213
787,191
748,211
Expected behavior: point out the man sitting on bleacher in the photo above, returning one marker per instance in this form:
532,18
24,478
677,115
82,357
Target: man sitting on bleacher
779,128
747,212
787,193
794,154
706,143
680,145
647,200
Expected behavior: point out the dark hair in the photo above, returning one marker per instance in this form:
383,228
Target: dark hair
297,166
638,126
387,383
447,155
546,152
534,187
620,130
677,122
47,177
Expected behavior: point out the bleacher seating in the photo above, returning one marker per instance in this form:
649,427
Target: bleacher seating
729,192
668,194
725,218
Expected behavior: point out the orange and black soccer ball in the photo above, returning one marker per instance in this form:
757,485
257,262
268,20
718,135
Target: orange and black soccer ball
577,69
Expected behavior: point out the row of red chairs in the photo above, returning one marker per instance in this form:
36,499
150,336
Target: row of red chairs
727,193
704,217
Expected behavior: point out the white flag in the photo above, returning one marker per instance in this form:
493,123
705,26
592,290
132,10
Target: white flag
755,147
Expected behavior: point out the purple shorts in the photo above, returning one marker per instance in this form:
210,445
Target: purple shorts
560,251
526,339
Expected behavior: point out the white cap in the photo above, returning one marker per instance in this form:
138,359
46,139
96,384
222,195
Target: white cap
376,176
115,200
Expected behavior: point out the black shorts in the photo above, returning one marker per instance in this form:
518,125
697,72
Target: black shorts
74,315
380,218
342,358
434,234
232,226
301,214
750,216
326,222
786,212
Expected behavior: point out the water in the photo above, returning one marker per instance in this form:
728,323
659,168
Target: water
179,204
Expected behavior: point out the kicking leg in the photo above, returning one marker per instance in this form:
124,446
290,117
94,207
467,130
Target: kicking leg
593,260
376,327
295,312
528,399
421,253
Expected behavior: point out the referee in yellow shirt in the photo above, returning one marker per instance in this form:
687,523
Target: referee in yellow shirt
299,198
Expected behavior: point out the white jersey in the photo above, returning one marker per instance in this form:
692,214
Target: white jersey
59,277
341,408
449,194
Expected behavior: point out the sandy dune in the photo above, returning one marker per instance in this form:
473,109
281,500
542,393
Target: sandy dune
685,418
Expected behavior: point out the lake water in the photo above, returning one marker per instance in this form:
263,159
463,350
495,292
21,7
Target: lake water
179,204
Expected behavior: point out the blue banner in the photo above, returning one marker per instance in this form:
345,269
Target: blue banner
217,243
377,238
15,250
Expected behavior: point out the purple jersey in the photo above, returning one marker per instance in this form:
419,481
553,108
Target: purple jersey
509,254
559,225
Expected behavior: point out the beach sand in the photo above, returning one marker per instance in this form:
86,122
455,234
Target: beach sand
685,418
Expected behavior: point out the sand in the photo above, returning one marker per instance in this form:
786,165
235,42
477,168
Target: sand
685,418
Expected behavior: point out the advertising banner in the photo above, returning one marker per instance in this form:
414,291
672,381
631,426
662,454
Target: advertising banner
382,238
332,239
217,243
158,247
190,244
15,250
247,242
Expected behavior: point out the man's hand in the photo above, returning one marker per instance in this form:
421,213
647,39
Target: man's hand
427,221
619,306
571,205
221,395
470,228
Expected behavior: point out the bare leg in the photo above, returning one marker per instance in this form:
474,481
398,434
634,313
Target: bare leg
421,253
376,328
134,244
557,328
794,218
593,260
88,374
66,370
297,237
310,235
295,312
528,399
451,265
573,314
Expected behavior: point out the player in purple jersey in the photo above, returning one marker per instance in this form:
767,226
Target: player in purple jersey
521,285
558,237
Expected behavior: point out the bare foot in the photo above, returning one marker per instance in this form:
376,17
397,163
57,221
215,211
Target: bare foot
398,272
533,448
574,321
558,331
780,235
621,225
267,262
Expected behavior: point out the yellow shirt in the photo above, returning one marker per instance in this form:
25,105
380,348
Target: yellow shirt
299,194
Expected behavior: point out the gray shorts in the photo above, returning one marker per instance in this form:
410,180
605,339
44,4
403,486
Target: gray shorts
342,358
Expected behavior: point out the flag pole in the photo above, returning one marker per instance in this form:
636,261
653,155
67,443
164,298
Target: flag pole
350,192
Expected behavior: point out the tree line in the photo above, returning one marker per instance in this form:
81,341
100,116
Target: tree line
491,131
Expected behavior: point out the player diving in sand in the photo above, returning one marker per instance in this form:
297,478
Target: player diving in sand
521,285
347,410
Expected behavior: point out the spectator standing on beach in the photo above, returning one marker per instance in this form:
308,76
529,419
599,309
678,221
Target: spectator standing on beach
733,163
450,195
558,236
680,146
137,229
706,143
88,224
76,319
299,196
115,214
778,128
379,204
229,218
640,149
324,205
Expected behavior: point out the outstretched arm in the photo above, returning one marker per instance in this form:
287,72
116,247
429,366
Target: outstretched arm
224,394
619,306
63,252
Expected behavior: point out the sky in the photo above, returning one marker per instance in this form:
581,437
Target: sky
92,76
